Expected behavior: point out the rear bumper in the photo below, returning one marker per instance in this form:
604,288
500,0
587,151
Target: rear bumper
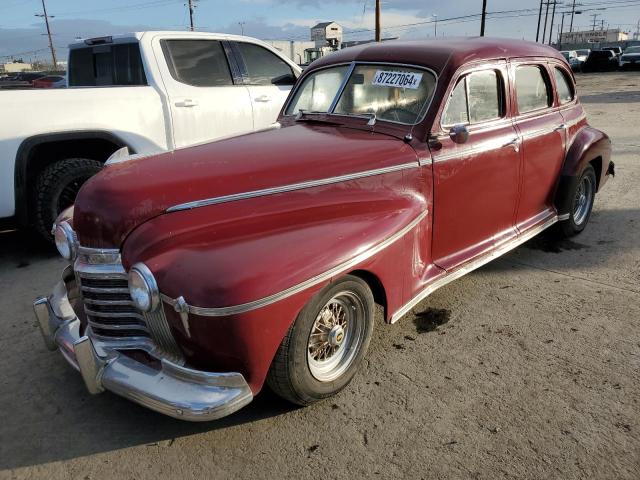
170,389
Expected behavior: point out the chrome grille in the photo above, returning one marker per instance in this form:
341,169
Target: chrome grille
110,317
110,311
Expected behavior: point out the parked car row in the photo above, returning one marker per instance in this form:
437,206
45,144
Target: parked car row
603,60
199,275
33,80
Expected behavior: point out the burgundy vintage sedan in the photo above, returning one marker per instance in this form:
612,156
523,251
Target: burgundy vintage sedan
196,275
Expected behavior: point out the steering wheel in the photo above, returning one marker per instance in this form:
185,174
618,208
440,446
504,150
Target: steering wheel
400,114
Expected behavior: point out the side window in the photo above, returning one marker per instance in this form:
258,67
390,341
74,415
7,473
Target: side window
532,89
564,86
264,67
477,98
201,63
106,65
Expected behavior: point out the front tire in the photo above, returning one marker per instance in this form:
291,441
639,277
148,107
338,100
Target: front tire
583,196
324,347
56,189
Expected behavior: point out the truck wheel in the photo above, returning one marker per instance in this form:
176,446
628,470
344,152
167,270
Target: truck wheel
322,350
56,189
583,195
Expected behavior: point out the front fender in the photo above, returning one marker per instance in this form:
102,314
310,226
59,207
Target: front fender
233,254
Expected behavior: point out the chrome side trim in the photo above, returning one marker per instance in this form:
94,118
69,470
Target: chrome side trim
564,217
262,302
289,188
494,144
473,265
425,161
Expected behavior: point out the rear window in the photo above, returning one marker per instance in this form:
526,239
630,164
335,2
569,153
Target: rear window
532,89
106,65
564,86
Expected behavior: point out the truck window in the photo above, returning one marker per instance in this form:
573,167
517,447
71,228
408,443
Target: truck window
201,63
106,65
264,67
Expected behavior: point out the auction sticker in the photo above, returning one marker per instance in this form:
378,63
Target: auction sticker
385,78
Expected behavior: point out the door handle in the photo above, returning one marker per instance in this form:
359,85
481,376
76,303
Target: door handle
262,98
515,143
562,126
187,102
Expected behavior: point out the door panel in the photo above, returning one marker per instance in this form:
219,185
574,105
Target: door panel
204,102
476,182
268,78
542,130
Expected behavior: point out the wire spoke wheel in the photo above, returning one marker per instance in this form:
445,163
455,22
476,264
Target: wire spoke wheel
335,336
583,199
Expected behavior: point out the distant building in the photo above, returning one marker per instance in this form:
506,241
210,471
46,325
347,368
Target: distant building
294,50
327,34
594,36
15,67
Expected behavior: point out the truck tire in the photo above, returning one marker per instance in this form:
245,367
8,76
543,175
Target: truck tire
56,189
324,347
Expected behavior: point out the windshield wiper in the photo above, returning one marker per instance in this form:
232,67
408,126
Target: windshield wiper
302,115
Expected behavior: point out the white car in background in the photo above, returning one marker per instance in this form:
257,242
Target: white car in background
147,91
630,58
583,54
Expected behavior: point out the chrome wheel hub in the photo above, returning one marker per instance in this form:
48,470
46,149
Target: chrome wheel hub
335,337
582,200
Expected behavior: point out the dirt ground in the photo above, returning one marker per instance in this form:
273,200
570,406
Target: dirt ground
528,368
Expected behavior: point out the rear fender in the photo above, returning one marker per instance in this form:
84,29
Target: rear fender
588,145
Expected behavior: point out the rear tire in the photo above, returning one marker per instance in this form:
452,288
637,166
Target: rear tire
583,196
324,347
56,189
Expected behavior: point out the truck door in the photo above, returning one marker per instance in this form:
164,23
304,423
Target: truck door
268,78
205,99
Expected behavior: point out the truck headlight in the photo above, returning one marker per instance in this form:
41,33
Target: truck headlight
143,288
65,239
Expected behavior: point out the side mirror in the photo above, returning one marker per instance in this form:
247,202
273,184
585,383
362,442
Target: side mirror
459,133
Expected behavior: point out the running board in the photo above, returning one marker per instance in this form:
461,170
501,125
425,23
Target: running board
473,265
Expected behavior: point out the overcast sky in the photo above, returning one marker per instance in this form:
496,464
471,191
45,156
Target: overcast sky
21,33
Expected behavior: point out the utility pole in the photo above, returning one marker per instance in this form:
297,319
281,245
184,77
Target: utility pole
241,27
561,30
595,18
435,26
553,16
191,7
378,33
46,21
573,12
484,17
546,16
539,19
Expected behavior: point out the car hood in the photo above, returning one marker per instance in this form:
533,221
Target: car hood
124,195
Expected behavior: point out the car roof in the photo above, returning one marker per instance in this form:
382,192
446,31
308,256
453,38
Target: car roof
440,53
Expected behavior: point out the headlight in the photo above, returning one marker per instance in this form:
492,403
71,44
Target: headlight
143,288
65,239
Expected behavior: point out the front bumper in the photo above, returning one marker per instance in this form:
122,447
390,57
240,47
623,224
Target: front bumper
171,389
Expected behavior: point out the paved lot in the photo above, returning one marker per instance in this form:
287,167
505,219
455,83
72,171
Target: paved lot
527,368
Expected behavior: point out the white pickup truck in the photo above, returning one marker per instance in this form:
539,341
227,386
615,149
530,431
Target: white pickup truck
149,91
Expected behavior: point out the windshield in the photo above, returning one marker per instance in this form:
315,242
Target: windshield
392,93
